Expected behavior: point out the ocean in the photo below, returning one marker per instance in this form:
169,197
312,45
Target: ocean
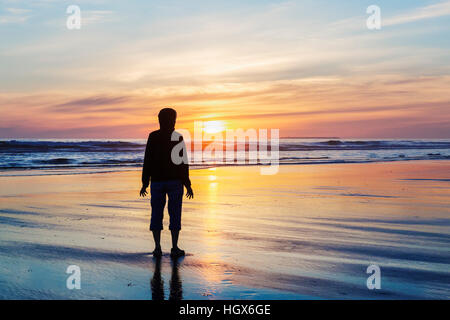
120,154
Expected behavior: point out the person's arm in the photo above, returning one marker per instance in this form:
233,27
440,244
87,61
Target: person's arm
187,181
185,172
146,168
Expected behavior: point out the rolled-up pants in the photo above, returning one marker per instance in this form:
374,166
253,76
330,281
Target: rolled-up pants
158,191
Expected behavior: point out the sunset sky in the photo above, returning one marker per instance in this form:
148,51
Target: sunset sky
310,68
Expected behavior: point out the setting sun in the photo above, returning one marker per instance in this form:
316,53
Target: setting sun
215,126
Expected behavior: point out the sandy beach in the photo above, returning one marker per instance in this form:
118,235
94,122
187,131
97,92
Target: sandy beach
309,231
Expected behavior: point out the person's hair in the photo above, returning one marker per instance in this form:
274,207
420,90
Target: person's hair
167,118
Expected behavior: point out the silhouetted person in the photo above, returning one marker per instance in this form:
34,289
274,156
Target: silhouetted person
167,179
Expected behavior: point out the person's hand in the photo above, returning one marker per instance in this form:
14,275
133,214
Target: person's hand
143,191
189,193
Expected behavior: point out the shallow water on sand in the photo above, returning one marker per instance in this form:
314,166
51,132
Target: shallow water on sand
306,232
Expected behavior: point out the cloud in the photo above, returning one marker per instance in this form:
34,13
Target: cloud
303,66
218,47
82,105
17,10
428,107
89,17
298,107
431,11
15,15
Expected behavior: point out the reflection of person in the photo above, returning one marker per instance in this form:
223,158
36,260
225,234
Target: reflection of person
167,178
176,289
157,283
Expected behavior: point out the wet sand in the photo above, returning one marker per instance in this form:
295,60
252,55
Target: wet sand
308,232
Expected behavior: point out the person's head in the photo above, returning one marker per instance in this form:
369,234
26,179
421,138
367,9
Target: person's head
167,118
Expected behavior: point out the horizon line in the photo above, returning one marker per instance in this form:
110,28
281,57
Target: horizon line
287,137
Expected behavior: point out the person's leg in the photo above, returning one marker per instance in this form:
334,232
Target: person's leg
158,202
175,234
157,238
175,195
